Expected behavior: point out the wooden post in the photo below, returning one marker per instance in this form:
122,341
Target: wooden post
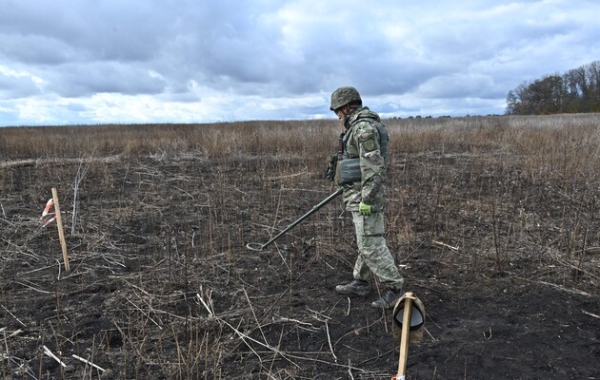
404,340
61,232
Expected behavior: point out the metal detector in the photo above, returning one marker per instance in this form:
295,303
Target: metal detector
259,247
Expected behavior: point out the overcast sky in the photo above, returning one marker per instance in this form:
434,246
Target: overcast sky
147,61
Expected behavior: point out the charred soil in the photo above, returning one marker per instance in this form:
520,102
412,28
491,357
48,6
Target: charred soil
161,285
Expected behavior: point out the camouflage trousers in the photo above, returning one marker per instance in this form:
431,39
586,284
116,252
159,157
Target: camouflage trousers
374,257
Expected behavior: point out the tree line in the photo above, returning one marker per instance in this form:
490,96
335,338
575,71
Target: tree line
576,91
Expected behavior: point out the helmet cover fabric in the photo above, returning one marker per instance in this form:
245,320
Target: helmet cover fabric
343,96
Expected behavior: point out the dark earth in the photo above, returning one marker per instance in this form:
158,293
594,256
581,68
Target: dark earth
161,285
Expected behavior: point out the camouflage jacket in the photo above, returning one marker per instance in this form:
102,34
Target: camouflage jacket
366,138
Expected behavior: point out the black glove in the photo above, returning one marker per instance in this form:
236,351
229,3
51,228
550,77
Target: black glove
330,173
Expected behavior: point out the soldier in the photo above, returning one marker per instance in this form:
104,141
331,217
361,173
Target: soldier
366,139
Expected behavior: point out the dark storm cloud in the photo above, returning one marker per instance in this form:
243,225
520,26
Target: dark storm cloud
16,86
95,30
189,59
35,49
103,77
226,46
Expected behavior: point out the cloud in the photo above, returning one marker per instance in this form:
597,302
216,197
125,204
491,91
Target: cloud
460,86
230,60
73,80
35,49
17,84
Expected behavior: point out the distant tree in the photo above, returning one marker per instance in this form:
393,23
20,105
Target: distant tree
593,76
517,100
578,90
513,103
548,95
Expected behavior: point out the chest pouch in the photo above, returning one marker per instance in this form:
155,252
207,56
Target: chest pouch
348,171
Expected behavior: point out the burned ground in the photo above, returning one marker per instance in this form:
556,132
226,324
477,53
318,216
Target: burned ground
161,286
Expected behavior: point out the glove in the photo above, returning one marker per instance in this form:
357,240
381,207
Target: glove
365,209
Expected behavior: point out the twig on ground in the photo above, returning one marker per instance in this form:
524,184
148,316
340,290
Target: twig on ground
278,349
20,363
50,354
590,314
15,333
12,315
350,370
153,310
577,268
5,340
318,316
329,341
295,355
455,249
124,336
211,312
113,262
284,319
88,363
323,318
138,288
254,315
31,287
431,336
183,318
20,250
282,258
572,291
59,270
143,312
244,337
355,331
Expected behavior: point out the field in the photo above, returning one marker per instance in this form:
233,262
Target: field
493,220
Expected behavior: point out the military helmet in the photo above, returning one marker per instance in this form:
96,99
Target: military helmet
343,96
417,320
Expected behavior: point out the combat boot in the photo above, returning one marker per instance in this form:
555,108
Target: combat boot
354,287
388,299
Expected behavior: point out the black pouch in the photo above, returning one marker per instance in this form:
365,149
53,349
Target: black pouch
348,171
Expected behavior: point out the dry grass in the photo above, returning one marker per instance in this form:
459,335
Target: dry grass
210,141
553,138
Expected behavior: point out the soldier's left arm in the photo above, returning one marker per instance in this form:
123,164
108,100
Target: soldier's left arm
372,163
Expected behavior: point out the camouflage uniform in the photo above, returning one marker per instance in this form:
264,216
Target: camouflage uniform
366,138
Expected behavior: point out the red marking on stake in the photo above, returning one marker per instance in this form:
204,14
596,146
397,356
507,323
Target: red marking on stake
49,205
50,221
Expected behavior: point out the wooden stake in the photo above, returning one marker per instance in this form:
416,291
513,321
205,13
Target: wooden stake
405,338
61,232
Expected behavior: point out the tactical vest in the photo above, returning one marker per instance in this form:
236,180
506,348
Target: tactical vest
348,169
384,137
